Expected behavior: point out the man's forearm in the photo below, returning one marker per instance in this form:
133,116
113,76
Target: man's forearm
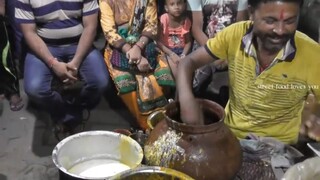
184,80
197,25
190,112
37,45
85,44
2,7
200,36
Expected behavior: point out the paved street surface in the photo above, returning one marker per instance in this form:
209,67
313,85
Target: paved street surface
26,141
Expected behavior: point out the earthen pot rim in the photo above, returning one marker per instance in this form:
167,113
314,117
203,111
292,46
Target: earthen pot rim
197,129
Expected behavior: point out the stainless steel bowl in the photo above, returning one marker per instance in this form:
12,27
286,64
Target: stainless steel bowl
151,173
96,154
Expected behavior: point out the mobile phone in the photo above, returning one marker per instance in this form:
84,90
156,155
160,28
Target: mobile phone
315,147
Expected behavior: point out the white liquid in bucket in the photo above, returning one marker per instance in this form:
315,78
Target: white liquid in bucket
98,168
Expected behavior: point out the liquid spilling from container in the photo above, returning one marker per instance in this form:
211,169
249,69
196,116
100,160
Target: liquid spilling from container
98,168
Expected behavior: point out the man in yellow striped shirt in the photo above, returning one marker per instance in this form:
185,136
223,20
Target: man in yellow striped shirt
272,69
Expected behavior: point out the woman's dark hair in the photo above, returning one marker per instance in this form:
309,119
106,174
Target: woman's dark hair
255,3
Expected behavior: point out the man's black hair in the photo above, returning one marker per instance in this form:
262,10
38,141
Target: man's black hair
165,1
255,3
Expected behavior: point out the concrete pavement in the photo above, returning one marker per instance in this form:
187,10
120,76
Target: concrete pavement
26,139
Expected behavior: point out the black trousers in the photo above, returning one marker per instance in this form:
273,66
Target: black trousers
9,82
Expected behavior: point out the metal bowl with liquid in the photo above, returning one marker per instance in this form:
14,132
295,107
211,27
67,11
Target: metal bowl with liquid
96,155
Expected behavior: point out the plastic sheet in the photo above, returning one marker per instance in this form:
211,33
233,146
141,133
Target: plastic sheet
306,170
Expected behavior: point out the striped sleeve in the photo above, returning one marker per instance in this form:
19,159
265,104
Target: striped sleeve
23,12
90,7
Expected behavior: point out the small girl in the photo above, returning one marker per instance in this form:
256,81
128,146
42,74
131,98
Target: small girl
175,36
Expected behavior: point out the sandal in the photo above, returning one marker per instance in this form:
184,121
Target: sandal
62,130
78,127
16,103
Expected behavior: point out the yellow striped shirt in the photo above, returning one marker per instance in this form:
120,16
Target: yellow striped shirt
270,103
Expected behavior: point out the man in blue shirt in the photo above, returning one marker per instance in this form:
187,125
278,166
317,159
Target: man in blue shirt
59,36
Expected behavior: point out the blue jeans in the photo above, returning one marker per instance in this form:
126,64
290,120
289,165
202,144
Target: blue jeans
38,78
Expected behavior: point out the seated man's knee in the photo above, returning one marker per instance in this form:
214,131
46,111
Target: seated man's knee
100,85
100,76
103,81
36,91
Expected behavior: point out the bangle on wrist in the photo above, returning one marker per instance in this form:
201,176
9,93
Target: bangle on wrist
139,46
52,61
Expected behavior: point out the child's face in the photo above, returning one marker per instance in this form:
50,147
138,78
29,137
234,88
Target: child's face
175,7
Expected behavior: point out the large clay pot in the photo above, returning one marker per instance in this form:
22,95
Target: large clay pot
209,151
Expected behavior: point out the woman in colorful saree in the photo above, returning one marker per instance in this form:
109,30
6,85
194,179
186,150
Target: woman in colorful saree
140,73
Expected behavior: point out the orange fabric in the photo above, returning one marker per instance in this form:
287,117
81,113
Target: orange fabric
130,99
154,91
115,13
174,37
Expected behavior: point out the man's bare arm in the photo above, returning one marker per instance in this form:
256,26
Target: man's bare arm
2,7
190,110
35,43
90,23
197,25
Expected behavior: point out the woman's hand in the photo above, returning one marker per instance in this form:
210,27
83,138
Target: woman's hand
144,65
134,54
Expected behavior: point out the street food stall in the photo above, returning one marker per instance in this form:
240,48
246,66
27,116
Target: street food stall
173,149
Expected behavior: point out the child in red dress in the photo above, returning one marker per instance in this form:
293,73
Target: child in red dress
175,37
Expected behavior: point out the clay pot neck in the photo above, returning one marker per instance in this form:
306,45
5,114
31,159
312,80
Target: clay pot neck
213,113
